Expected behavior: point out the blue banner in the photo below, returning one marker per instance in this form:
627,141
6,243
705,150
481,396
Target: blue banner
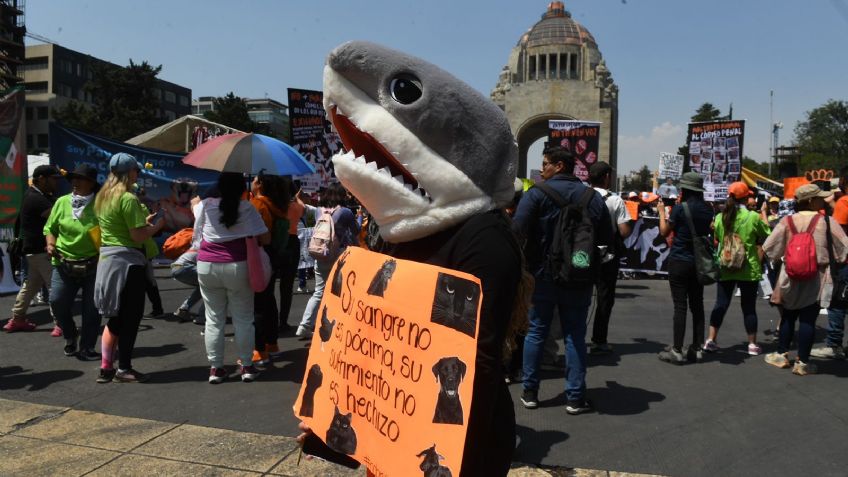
161,182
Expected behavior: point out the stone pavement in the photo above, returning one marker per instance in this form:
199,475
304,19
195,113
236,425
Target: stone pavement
59,441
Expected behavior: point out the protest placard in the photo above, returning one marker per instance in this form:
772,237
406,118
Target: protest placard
581,138
391,366
312,136
715,151
671,166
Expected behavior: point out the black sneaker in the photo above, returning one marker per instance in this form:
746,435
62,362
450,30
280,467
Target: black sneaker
199,320
155,314
530,398
578,407
106,376
70,348
670,355
88,355
694,354
182,315
130,376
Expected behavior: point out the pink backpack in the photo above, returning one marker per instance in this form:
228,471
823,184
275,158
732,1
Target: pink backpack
800,259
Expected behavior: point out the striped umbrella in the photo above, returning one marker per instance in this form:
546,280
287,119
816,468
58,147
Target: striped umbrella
249,154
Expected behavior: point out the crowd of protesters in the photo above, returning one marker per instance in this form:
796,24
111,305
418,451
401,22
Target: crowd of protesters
98,241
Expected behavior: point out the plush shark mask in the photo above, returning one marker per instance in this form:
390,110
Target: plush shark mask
425,150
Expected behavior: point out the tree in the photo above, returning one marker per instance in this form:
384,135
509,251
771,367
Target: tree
125,102
641,180
231,110
758,167
822,138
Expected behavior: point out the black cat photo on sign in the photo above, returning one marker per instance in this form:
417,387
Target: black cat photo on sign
455,304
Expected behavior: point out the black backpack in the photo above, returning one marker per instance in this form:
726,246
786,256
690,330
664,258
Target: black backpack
573,259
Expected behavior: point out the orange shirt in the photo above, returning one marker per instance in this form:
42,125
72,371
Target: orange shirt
267,210
294,214
840,210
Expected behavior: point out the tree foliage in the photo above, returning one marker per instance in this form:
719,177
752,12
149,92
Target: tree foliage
231,110
705,112
126,102
822,137
641,180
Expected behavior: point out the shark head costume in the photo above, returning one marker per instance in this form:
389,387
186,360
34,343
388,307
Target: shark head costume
425,151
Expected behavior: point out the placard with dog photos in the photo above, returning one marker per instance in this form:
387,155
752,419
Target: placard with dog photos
390,370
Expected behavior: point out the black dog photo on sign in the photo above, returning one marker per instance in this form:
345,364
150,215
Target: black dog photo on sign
431,464
449,373
341,436
455,304
381,280
313,382
336,281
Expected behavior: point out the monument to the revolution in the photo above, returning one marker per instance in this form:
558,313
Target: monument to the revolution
557,72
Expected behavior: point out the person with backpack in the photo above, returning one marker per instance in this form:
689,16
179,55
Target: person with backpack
689,221
600,175
556,219
740,234
334,231
271,199
807,243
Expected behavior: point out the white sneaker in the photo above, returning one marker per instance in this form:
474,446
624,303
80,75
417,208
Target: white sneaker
302,332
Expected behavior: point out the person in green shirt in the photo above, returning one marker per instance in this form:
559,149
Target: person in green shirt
752,232
71,231
122,270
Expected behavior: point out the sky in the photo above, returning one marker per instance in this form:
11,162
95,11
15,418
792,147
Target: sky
667,56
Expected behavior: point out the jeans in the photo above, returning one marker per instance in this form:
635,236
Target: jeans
573,306
835,326
322,272
125,324
605,301
187,274
806,330
63,290
301,278
724,293
226,286
683,281
39,273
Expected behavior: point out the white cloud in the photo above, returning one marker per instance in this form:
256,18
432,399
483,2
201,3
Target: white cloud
636,151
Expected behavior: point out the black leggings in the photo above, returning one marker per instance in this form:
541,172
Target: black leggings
724,293
125,324
265,316
683,280
287,273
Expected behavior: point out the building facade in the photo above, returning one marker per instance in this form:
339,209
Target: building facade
12,31
54,76
556,71
264,111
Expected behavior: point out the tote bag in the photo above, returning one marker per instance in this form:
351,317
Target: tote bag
258,265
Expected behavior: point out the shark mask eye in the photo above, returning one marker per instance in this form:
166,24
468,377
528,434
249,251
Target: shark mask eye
405,88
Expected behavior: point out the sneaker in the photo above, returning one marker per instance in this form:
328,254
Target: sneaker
57,331
710,346
828,352
70,347
14,325
303,332
300,290
530,398
130,376
694,354
781,360
578,407
88,355
754,349
248,374
106,376
803,369
182,315
600,349
671,355
155,314
261,358
199,320
217,375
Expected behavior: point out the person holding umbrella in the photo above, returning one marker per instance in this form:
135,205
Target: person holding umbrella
70,232
122,269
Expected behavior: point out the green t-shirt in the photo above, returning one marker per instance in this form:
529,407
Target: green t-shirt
115,223
753,231
73,236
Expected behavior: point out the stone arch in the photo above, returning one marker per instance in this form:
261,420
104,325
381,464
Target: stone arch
529,132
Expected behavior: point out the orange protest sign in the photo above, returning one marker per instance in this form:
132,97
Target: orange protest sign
792,183
632,209
391,367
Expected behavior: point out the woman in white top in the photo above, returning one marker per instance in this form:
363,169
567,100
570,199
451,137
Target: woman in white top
223,224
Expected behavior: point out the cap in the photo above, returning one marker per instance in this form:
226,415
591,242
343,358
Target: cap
46,170
598,170
774,199
692,181
121,163
809,191
739,190
632,195
83,171
649,197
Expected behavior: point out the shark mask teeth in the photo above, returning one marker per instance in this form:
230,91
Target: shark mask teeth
385,173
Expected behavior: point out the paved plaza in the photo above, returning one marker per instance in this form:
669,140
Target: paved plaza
731,415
